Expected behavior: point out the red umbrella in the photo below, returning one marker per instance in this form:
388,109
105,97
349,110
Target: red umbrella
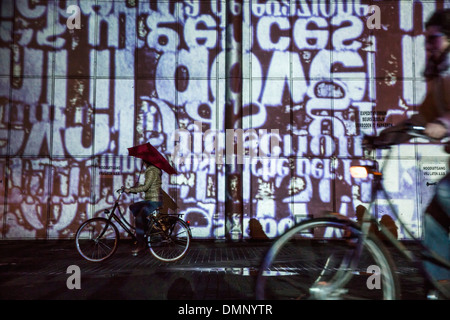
149,153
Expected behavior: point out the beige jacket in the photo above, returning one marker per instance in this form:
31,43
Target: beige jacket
152,184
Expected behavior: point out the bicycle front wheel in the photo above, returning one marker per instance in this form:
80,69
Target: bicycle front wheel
323,259
97,239
168,239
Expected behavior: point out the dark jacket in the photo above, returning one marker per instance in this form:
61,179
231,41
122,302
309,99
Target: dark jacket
434,108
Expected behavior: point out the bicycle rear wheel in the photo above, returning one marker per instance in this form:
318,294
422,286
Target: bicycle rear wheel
321,259
97,239
168,238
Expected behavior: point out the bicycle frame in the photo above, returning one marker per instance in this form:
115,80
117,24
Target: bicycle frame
112,215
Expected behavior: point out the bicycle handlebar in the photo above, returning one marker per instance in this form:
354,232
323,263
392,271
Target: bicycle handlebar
417,131
414,131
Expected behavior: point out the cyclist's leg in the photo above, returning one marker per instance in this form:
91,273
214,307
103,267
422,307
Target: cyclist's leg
147,210
136,207
436,238
138,210
141,210
436,228
140,228
150,207
443,199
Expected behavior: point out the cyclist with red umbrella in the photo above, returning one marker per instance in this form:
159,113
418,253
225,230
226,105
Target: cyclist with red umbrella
154,162
152,200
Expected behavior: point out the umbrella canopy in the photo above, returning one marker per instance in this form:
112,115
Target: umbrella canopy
150,154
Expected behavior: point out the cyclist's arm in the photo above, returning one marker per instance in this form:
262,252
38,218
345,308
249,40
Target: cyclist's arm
440,127
436,130
397,134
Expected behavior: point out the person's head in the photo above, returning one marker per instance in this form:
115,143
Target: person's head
147,164
438,33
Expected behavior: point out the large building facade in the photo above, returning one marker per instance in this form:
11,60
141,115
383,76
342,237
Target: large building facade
260,106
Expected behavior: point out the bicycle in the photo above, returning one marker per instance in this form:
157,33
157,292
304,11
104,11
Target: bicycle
168,236
333,257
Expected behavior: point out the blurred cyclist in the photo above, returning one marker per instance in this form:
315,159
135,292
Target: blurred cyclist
434,115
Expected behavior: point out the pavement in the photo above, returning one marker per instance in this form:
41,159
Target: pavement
211,270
